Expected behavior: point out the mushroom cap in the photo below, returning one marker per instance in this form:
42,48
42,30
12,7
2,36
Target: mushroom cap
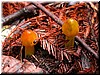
70,27
28,37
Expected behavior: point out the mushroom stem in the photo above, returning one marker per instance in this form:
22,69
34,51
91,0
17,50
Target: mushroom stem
29,50
70,28
70,42
27,38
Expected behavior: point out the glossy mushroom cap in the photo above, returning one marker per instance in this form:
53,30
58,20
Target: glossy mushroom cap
28,37
70,27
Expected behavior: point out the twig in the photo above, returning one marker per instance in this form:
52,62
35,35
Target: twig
86,46
35,58
93,6
71,68
40,62
57,20
15,16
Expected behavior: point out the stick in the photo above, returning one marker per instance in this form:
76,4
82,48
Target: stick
17,15
86,46
57,20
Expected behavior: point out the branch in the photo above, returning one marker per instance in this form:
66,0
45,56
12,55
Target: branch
86,46
57,20
17,15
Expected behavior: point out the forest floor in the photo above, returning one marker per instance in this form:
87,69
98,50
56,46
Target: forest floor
46,19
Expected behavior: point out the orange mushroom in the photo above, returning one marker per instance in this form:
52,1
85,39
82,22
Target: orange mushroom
27,38
70,28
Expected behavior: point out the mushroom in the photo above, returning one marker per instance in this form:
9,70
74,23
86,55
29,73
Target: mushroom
28,39
70,28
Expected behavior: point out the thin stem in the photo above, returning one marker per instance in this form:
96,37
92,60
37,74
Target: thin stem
70,42
29,50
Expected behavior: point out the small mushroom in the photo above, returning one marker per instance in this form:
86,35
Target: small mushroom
70,28
28,39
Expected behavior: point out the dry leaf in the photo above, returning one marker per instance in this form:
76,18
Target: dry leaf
13,65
